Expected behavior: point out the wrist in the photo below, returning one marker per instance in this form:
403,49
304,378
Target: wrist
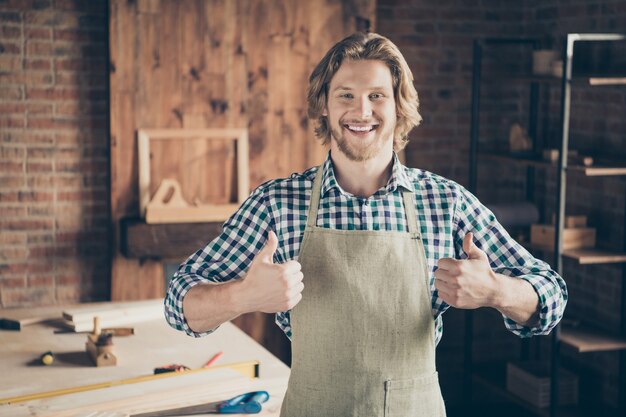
501,298
235,293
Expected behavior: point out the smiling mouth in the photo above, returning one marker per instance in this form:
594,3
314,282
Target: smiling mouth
360,129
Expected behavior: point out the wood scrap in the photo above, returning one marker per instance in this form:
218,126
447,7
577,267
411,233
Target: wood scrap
113,314
542,236
17,319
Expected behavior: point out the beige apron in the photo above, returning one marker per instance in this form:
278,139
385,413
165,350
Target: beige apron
363,336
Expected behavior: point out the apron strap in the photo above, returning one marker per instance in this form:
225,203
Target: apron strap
315,197
409,205
409,211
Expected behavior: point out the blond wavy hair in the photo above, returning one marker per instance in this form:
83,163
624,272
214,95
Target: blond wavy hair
361,46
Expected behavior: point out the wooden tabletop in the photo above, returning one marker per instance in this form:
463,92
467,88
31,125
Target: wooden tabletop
154,344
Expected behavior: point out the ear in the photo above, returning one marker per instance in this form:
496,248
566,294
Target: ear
325,112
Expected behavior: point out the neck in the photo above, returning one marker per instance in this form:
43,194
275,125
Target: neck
361,178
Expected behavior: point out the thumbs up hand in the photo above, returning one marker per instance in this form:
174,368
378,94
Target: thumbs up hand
270,287
467,283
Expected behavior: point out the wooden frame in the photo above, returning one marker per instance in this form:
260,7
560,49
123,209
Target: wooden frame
179,211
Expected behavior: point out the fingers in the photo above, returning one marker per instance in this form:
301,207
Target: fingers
292,266
449,264
297,289
450,280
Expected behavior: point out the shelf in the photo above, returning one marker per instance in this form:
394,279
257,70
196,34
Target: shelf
164,241
598,171
590,171
597,81
584,340
595,256
590,80
492,378
585,256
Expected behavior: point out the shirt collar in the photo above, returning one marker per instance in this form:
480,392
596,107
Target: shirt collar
398,177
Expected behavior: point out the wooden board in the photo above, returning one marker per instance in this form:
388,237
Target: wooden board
595,256
215,64
590,340
81,319
165,241
542,235
18,318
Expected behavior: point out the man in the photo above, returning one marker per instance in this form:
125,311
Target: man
360,257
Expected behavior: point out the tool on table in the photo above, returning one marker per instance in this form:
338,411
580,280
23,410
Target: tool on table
115,331
99,346
170,368
47,358
249,403
249,369
213,359
175,367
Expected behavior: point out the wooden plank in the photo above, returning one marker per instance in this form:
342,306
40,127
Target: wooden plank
18,318
81,319
542,235
258,29
587,340
601,171
595,256
130,279
165,241
607,81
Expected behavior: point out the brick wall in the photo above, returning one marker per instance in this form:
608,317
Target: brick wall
54,242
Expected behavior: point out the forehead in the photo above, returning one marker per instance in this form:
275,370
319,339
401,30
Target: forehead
362,73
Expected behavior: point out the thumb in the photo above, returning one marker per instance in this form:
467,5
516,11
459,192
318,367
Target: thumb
267,253
472,251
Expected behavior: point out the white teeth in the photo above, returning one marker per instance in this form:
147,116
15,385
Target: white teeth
360,128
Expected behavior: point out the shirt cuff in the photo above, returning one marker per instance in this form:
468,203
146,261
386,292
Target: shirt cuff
551,306
174,313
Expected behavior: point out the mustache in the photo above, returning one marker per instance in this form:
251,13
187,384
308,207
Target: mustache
355,121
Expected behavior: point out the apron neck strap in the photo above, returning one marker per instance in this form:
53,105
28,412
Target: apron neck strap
409,211
315,197
409,205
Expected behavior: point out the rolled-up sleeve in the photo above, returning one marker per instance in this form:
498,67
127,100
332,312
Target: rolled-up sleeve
225,258
508,257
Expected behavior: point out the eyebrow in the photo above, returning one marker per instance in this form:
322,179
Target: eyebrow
341,87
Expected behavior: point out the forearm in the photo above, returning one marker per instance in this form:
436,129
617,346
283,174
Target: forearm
516,299
206,306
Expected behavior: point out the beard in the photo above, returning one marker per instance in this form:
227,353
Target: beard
361,149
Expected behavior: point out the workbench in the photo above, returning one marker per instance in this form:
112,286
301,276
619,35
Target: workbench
154,344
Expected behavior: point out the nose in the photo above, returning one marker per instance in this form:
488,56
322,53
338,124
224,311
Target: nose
365,107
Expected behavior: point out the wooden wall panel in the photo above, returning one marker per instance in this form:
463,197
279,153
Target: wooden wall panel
214,63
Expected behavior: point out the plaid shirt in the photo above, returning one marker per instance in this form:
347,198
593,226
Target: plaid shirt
446,212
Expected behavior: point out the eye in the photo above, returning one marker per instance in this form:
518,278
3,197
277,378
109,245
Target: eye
346,95
376,96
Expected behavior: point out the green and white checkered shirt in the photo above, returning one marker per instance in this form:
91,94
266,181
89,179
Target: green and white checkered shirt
446,212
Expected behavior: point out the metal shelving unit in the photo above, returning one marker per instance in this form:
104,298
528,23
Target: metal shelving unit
580,339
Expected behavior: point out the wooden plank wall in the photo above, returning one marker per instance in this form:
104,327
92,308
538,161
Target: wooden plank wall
214,63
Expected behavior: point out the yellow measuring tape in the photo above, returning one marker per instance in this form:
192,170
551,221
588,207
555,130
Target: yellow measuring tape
249,369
